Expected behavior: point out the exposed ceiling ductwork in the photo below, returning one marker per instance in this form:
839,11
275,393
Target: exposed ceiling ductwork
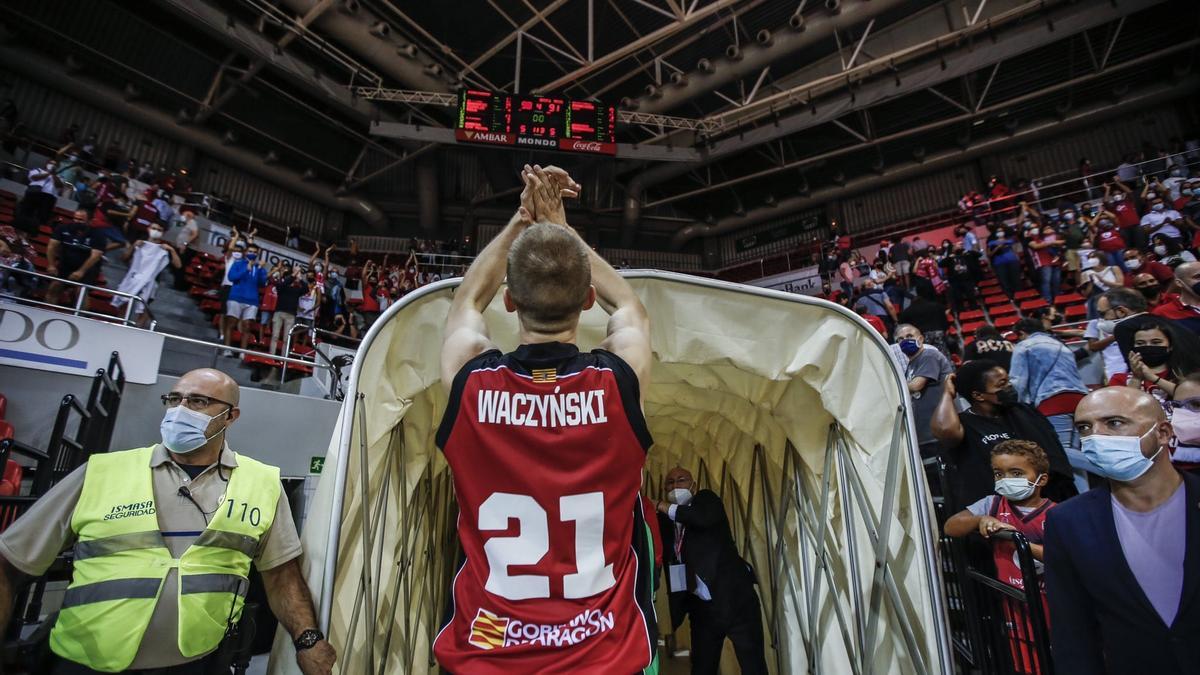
1027,133
358,30
952,64
747,59
113,101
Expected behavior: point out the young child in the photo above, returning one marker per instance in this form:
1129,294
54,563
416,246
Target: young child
1020,469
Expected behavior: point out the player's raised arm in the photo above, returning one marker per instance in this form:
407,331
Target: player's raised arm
628,323
466,333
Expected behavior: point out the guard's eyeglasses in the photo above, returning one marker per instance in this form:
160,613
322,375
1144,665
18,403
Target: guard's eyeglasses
193,401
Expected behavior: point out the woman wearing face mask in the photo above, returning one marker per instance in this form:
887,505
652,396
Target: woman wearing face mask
1004,261
995,415
1158,353
1185,419
1097,277
1169,252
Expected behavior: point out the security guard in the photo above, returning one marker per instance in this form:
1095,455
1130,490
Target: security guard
163,540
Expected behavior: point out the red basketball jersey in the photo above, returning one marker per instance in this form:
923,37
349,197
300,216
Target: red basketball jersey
547,446
1032,525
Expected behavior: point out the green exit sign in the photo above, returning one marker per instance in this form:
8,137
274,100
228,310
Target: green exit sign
316,464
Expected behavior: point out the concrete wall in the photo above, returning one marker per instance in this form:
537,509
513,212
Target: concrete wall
280,429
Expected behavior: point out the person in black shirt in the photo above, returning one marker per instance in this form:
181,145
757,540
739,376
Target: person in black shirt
990,344
74,253
995,415
288,290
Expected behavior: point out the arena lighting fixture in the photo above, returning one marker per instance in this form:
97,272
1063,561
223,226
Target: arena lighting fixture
834,6
309,174
380,29
132,91
679,79
705,66
918,153
183,116
348,6
733,53
796,21
839,178
270,157
764,38
229,138
407,50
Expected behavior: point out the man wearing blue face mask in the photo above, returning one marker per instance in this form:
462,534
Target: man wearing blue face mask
164,538
1123,560
247,274
925,371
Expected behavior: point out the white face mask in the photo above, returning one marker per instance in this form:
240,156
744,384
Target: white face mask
1160,250
680,496
1158,207
1016,489
155,235
1133,263
183,429
237,255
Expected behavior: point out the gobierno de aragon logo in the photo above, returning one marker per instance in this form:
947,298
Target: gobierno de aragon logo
491,631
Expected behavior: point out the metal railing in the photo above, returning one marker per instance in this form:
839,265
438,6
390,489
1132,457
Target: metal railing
85,289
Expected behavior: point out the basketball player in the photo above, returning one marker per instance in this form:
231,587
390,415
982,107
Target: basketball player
547,445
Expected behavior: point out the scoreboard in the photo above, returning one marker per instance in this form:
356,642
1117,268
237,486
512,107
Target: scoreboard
544,122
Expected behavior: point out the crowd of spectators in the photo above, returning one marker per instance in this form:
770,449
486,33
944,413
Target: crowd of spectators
1028,438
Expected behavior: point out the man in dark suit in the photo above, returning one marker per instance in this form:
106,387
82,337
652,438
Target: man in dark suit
708,579
1123,560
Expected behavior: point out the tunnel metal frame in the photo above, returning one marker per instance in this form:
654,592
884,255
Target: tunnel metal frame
817,534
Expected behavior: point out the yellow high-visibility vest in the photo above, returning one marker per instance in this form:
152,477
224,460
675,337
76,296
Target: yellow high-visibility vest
121,561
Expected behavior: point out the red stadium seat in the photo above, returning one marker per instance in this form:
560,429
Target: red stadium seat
998,299
1030,305
10,481
1069,299
1006,322
971,315
1075,312
969,328
1025,294
1002,310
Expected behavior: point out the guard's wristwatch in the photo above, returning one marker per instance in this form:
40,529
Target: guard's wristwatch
308,638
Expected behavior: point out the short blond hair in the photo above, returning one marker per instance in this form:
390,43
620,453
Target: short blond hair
549,275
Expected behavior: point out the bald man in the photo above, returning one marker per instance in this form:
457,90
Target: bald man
163,538
708,579
1183,309
1123,560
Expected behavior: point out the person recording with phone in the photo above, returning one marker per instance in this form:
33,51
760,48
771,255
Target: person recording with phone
163,539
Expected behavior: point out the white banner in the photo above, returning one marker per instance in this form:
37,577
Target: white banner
44,340
806,281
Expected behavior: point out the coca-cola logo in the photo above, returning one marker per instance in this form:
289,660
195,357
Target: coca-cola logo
586,146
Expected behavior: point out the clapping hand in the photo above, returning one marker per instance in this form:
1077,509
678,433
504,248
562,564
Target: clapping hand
1139,368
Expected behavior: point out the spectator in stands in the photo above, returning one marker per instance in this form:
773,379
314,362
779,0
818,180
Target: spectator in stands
925,371
927,268
247,275
1119,562
1169,252
1184,308
15,251
847,275
68,173
901,256
1158,353
369,307
827,293
1112,307
1137,262
235,248
1128,170
37,205
876,303
139,521
989,344
1048,258
995,414
1185,420
1000,198
1119,203
1005,264
146,258
319,267
1097,278
1161,220
1046,377
928,314
185,239
309,303
1019,471
269,301
1150,289
961,289
74,253
291,237
289,287
874,321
